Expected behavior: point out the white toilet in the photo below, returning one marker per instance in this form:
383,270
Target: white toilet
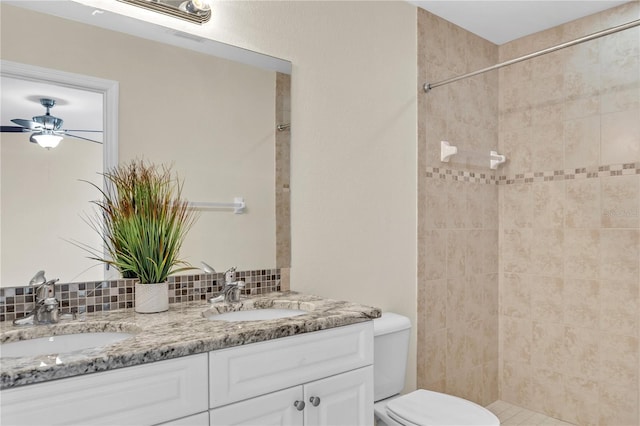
421,407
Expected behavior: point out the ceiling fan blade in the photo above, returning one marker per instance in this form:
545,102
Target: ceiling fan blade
80,137
83,131
13,129
31,125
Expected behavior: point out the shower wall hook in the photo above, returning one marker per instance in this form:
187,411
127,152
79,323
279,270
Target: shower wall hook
447,151
495,160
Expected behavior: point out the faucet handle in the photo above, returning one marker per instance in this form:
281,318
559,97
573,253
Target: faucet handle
230,275
38,279
46,290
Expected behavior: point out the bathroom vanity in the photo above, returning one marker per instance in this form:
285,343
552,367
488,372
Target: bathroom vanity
184,367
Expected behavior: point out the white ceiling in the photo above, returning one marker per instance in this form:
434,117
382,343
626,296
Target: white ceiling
503,21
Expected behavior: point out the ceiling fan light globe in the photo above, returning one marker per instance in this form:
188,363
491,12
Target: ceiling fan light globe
46,140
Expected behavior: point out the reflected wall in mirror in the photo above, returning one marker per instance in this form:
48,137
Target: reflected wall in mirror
212,119
42,198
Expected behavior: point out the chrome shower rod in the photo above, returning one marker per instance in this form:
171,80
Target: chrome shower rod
429,86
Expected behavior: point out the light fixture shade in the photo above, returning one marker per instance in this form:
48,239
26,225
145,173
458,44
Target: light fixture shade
196,11
46,140
195,6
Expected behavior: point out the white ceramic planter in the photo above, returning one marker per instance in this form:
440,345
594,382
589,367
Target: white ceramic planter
151,298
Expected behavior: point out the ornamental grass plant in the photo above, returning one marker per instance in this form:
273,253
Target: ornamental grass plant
142,220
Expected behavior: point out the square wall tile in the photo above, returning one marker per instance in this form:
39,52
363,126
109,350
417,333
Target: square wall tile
582,142
620,137
619,254
582,203
620,201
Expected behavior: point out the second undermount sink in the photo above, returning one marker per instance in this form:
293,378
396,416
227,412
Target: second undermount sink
256,314
60,344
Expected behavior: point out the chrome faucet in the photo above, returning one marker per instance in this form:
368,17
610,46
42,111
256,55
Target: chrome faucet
47,307
231,289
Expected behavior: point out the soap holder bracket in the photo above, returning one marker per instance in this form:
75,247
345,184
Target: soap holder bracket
447,151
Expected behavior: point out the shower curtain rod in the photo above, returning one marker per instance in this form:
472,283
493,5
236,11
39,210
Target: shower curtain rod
428,86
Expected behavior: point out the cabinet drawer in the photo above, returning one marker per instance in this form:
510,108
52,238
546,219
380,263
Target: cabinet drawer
145,394
246,371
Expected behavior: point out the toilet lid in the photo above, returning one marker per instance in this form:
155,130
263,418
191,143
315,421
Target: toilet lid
426,408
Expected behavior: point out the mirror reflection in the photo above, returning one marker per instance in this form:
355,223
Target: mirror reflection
40,193
214,120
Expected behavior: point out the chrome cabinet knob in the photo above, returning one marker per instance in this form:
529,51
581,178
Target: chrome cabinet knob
314,400
299,405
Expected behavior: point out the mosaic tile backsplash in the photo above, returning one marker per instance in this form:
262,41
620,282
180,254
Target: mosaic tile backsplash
16,302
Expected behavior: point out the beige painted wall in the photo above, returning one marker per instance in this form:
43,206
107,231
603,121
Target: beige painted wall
43,205
212,119
353,184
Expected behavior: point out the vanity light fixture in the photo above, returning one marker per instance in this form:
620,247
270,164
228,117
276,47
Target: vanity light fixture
195,6
196,11
46,139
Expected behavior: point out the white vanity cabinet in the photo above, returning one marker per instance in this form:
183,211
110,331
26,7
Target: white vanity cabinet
329,373
321,378
146,394
337,400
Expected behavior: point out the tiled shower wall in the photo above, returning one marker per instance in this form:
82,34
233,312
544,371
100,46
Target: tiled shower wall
568,218
569,225
458,216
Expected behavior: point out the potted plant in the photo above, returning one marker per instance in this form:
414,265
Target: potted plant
143,221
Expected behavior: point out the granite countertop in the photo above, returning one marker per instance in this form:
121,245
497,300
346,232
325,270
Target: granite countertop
183,330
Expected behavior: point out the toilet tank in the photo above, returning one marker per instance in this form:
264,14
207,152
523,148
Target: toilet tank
391,349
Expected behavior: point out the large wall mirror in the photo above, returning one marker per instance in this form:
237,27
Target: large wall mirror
181,102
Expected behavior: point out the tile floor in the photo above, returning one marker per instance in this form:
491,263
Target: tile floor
511,415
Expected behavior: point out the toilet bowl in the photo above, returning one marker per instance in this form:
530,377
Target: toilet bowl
421,407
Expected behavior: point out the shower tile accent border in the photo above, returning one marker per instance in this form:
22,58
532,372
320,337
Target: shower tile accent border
625,169
461,175
96,296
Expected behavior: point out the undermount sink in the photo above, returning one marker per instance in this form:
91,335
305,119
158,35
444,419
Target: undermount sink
263,314
60,344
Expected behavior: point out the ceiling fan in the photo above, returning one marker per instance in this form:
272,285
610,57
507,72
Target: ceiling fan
46,129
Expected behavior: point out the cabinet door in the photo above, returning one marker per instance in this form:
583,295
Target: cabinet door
141,395
274,409
345,399
247,371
